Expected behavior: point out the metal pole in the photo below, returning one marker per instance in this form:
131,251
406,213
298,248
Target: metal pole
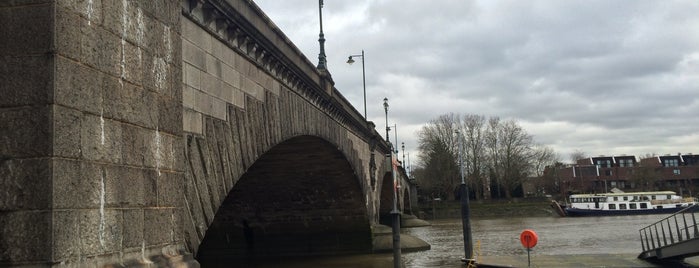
364,83
403,149
395,214
395,133
321,39
465,209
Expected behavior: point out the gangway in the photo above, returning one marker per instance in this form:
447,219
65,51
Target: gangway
673,238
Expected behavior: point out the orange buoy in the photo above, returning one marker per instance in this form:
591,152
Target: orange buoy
528,238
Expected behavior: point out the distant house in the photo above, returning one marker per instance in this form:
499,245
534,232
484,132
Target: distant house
679,173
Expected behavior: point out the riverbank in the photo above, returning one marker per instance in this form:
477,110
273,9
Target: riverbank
488,209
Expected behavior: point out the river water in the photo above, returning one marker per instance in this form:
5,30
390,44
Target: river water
500,237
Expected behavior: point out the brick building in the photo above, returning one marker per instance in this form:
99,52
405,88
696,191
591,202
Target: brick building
679,173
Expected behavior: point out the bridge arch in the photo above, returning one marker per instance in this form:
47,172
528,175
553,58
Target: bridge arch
301,197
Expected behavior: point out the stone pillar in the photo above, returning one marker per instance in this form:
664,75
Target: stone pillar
91,169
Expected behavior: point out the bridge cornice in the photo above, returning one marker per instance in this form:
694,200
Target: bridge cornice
244,28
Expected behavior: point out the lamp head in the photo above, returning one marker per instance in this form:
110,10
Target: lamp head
350,60
385,104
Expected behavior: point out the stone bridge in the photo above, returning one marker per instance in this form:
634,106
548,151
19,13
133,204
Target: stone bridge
150,132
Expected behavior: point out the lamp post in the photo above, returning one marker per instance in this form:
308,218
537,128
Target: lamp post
402,146
385,108
350,61
321,39
395,133
395,214
465,210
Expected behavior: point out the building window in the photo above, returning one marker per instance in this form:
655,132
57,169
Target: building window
603,163
670,162
608,172
625,163
676,171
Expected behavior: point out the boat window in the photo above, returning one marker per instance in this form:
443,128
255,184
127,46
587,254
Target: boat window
632,206
652,197
622,206
612,206
669,197
616,198
626,198
644,205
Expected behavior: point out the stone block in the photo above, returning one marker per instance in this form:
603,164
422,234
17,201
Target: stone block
231,76
100,231
26,80
25,132
192,76
192,121
78,86
66,235
158,225
213,66
169,116
170,189
133,228
132,63
130,104
90,10
22,38
137,146
25,236
26,184
68,36
129,187
101,49
77,184
188,97
66,132
193,55
100,139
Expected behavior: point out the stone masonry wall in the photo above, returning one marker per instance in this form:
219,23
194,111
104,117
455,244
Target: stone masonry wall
91,161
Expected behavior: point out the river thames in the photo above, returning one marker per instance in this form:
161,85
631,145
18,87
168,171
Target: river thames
495,238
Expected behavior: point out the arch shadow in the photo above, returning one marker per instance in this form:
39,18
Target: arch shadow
300,198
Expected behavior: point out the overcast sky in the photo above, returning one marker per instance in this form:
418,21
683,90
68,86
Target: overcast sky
602,77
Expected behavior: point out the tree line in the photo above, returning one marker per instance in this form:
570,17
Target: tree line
497,156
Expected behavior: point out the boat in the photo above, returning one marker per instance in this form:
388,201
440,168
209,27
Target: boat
622,203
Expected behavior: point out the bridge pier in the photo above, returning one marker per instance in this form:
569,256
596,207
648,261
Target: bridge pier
129,127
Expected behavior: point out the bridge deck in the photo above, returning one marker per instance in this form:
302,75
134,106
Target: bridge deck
673,238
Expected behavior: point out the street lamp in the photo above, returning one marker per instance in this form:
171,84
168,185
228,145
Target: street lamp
402,146
385,108
395,214
350,61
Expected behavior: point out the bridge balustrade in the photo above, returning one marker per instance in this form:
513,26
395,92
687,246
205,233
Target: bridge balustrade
674,229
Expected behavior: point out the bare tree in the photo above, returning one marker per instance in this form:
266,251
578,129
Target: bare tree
473,130
438,146
577,155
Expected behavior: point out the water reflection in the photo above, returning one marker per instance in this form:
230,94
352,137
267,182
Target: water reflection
500,237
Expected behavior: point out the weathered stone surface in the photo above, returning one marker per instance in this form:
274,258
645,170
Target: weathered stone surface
15,40
25,236
159,226
100,139
170,189
100,231
130,187
66,131
78,86
77,185
25,184
25,132
27,80
66,235
133,228
132,104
